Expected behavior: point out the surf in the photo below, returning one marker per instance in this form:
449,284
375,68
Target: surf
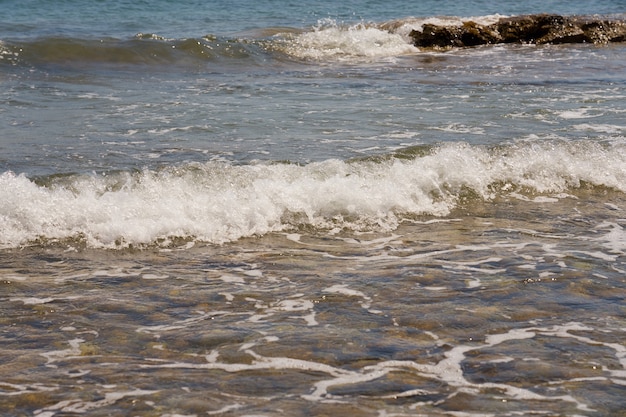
218,202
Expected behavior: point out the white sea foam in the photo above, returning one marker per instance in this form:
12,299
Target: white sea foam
80,406
614,239
344,290
330,40
405,26
459,128
181,324
448,370
57,355
295,305
576,114
218,202
233,279
154,276
10,389
33,300
603,128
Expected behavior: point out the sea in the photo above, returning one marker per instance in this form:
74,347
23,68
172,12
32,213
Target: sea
283,208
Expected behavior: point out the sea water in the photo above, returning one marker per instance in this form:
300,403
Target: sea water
277,208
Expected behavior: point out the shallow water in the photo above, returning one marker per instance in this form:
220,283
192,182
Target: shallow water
283,209
517,309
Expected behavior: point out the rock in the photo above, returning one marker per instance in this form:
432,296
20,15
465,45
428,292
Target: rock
528,29
470,34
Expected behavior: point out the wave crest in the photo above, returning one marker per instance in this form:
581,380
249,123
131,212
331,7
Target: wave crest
143,49
219,202
331,40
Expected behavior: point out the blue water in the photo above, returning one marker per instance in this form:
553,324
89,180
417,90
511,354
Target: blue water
285,208
197,18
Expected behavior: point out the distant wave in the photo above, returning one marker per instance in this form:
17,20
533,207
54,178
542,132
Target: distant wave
219,202
143,49
328,40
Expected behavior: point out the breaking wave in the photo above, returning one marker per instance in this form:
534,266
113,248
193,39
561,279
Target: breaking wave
329,40
217,202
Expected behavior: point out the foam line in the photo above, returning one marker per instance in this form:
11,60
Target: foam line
78,406
448,370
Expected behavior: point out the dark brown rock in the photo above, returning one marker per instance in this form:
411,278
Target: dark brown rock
605,31
530,29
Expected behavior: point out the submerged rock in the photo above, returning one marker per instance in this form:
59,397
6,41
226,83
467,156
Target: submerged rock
530,29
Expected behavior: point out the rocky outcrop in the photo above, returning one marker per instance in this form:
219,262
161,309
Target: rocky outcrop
530,29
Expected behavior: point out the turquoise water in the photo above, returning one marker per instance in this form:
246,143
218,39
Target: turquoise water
275,208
